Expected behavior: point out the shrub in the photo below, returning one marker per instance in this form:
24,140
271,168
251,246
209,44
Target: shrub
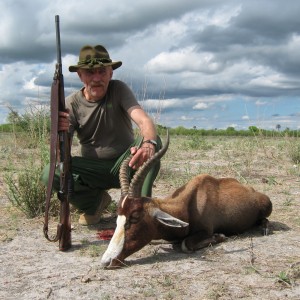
25,191
198,143
294,152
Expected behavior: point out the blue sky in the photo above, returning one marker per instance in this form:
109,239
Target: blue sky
209,64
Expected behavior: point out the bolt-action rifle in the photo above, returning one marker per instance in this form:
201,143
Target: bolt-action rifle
60,155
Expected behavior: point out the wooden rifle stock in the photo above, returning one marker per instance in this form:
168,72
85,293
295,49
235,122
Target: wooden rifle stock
60,153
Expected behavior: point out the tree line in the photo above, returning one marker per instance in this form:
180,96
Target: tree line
35,119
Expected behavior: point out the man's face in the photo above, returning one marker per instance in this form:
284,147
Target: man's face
95,81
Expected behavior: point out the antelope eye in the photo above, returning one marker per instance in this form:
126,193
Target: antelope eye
135,217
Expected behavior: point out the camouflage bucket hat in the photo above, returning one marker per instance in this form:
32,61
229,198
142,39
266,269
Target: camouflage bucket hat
94,57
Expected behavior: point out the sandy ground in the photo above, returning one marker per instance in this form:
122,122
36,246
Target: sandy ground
248,266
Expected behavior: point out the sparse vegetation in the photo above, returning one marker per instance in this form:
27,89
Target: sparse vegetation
31,152
25,190
267,269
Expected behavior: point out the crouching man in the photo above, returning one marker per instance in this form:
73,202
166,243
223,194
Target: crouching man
101,113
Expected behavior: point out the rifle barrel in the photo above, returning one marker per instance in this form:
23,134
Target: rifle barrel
58,40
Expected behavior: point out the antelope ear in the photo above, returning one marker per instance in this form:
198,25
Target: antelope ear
167,219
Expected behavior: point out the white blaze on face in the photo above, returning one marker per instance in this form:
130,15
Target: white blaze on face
116,244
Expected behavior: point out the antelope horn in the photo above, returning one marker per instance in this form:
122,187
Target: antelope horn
137,181
124,176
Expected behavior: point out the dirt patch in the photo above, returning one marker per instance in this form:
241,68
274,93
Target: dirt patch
248,266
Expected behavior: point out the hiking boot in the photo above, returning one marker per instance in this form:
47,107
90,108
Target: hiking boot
85,219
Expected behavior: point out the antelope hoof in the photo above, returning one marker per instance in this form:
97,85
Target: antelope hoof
184,248
265,227
219,238
265,231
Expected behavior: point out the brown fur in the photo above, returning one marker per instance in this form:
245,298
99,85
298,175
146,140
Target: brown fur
212,207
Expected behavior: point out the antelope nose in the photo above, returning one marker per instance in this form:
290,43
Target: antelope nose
112,264
104,265
105,259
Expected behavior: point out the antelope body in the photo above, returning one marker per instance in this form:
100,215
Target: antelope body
198,214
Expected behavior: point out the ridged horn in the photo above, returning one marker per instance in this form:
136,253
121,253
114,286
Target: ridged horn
137,181
124,176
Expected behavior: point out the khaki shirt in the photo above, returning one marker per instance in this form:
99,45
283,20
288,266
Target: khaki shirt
104,128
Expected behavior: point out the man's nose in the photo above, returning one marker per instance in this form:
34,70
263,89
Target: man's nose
97,76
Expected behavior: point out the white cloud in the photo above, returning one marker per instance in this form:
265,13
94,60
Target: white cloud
201,106
197,58
186,118
183,60
260,103
162,103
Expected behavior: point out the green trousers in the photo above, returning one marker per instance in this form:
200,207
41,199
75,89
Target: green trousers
91,176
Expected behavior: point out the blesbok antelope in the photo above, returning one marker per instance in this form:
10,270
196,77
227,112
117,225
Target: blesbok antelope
199,213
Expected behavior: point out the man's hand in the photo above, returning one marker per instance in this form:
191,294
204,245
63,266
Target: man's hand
63,121
140,155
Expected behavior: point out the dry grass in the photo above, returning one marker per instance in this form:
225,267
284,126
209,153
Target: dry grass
248,266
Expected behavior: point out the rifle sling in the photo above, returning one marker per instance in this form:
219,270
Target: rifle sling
53,157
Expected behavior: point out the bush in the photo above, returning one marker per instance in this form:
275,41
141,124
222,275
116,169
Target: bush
198,143
25,191
294,152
